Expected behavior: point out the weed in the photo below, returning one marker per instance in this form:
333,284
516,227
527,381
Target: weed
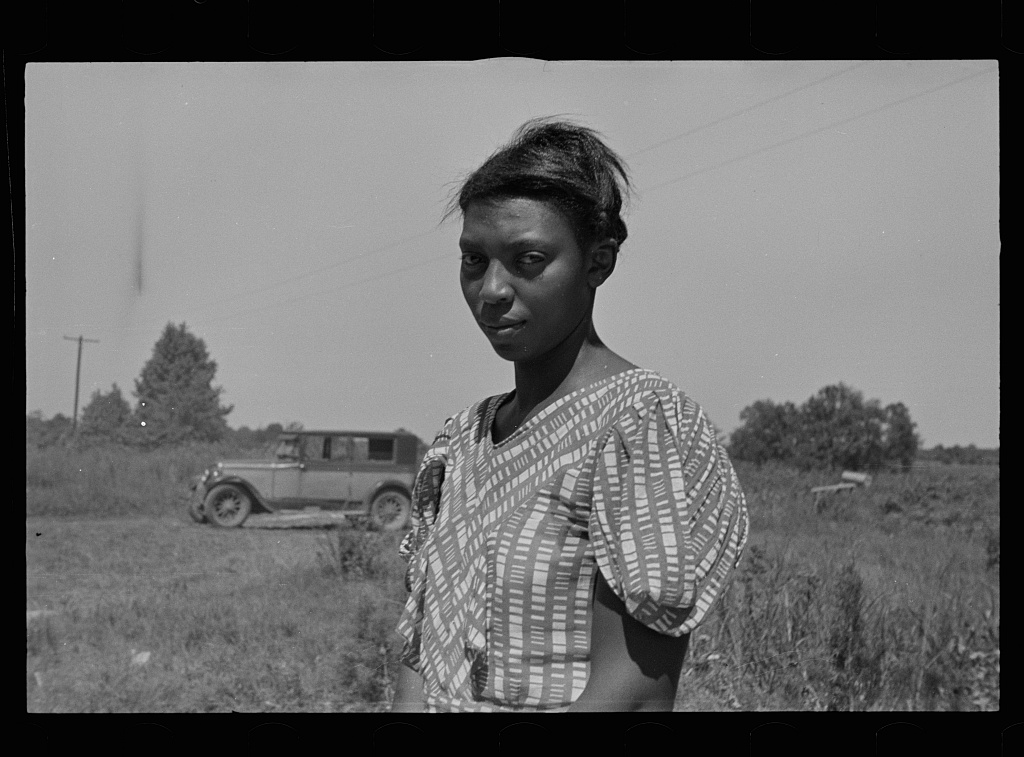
856,663
359,552
992,550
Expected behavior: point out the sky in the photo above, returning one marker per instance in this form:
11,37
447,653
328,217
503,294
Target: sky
794,224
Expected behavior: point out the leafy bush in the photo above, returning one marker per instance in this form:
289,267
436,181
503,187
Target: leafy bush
42,432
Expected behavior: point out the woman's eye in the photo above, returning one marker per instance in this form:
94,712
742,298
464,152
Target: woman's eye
531,259
470,259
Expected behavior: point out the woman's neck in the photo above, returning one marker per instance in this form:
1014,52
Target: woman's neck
580,362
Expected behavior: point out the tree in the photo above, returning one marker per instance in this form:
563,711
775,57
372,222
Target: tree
176,399
769,432
900,441
840,430
107,417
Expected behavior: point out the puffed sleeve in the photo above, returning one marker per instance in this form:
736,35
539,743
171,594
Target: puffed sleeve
426,501
669,521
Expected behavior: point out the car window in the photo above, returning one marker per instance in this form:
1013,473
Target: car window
288,449
381,449
315,447
360,447
341,448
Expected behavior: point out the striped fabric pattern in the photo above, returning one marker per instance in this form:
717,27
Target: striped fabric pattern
625,476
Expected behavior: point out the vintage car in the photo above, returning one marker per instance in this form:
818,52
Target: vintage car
362,473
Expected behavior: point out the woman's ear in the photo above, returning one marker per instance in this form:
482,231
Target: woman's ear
602,261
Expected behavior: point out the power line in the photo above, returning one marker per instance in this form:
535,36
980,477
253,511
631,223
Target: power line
398,243
749,108
249,293
346,285
818,130
376,250
662,185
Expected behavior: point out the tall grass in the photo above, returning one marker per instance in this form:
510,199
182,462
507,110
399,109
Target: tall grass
965,497
260,651
792,636
368,556
886,600
240,634
115,481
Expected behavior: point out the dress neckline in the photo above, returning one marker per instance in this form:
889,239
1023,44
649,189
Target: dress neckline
499,399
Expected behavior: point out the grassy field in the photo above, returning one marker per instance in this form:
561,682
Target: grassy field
162,615
888,599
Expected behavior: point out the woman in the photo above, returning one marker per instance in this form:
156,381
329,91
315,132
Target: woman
570,533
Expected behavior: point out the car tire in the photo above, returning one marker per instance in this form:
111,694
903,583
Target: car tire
227,506
195,510
391,510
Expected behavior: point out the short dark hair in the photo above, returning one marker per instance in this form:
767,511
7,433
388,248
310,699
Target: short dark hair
560,162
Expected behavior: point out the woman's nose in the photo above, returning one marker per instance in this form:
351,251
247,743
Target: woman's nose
495,287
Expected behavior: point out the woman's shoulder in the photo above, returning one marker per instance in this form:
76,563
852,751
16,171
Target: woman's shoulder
642,387
469,420
648,396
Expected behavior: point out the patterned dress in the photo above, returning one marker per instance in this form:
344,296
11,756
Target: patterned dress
625,476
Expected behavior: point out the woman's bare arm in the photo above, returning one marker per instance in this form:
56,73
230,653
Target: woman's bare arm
408,691
632,668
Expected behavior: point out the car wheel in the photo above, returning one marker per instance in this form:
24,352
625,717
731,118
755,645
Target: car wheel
195,510
390,510
227,506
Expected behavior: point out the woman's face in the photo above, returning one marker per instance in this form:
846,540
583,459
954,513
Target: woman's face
524,276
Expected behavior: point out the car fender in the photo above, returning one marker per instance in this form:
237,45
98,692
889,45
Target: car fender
257,500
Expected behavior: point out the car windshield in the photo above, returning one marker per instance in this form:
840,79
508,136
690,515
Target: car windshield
288,449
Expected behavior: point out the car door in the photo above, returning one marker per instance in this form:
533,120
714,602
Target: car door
287,469
373,460
325,479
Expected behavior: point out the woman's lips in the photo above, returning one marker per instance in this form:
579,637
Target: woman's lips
502,329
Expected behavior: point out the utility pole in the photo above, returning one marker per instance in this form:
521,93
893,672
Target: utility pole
78,373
